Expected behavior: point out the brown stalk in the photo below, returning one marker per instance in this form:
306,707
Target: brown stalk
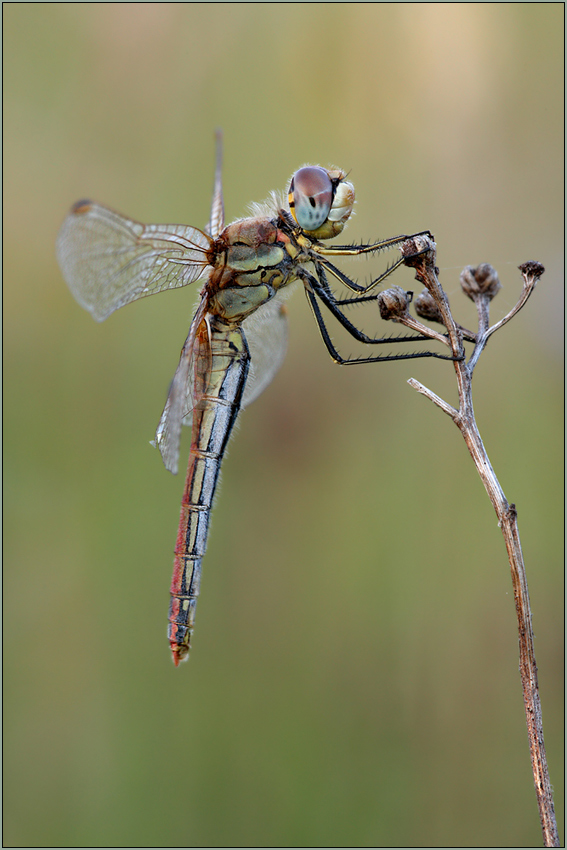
481,285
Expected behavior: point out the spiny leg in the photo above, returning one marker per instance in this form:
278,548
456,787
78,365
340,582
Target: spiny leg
322,289
356,250
353,285
314,289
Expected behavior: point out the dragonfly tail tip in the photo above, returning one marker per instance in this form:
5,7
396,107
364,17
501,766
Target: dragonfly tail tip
179,653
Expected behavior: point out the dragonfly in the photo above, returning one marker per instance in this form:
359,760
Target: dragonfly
237,338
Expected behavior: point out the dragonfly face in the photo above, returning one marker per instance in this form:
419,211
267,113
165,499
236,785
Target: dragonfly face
321,201
237,338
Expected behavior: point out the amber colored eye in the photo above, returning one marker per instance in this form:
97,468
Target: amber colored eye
311,196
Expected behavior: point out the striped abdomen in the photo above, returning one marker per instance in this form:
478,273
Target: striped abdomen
221,377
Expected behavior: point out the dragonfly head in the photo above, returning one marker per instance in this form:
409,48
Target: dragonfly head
320,200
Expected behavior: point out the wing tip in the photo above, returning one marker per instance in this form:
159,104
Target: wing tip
81,207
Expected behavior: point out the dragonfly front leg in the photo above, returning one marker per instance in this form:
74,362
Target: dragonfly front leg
358,250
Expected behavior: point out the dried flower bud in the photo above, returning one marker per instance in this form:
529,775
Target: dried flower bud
482,280
532,269
393,303
426,307
416,246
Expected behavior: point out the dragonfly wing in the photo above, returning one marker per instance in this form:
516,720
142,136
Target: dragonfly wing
109,260
266,334
216,221
184,391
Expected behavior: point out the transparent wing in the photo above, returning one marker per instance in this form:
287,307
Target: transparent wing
266,334
184,391
109,260
216,221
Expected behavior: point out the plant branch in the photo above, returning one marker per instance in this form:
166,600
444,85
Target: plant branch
447,408
481,284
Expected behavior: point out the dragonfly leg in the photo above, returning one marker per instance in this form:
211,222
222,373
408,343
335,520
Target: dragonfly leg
353,285
356,250
319,289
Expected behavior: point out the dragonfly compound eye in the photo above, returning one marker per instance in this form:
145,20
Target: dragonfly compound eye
343,202
310,196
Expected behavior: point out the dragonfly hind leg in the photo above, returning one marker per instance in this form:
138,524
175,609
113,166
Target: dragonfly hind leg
319,289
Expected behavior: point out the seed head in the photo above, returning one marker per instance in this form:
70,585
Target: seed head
532,269
393,303
426,307
482,280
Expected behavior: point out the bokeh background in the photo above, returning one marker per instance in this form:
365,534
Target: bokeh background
354,678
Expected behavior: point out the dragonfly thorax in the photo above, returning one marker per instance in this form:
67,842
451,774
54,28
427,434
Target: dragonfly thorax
252,259
251,244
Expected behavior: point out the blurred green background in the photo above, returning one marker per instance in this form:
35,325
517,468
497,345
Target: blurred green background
354,678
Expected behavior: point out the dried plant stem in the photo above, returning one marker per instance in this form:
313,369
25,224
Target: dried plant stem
424,264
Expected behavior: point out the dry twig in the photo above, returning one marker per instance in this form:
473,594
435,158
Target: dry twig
481,285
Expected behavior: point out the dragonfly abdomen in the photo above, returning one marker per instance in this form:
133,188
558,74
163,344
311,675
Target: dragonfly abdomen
213,421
